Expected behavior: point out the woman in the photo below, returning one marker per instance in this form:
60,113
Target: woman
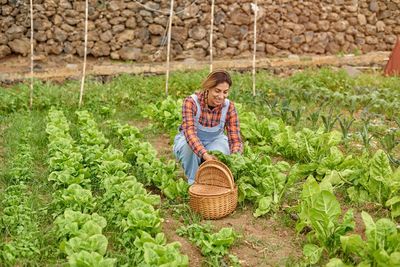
205,116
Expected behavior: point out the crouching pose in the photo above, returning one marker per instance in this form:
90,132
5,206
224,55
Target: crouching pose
205,117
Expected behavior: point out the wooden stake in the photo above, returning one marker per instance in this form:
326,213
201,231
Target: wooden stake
31,85
255,9
211,35
171,14
85,52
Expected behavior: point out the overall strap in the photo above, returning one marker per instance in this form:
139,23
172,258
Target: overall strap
224,111
196,100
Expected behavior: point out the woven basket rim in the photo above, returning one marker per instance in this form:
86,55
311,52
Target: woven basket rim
219,165
210,195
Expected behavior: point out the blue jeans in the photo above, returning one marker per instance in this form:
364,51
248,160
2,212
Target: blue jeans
190,161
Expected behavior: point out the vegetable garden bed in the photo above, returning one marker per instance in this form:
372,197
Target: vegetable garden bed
319,180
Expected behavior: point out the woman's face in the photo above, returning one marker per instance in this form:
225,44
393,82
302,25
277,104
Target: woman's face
217,95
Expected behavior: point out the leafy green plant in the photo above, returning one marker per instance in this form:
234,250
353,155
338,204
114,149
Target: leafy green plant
167,114
365,135
329,120
381,247
156,252
378,183
345,125
150,169
320,210
388,142
314,117
20,239
258,180
297,114
74,197
212,245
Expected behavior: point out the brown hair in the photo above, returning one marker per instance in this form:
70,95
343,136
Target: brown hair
216,77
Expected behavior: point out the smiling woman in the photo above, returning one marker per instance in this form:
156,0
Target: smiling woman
205,117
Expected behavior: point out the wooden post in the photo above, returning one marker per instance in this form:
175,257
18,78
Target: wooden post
211,34
171,15
31,85
85,52
255,9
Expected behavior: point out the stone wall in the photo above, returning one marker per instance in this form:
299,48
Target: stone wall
136,29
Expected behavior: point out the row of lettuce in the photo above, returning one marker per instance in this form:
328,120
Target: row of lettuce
96,196
100,211
315,154
162,174
143,221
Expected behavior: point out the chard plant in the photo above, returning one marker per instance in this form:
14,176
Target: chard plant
378,183
259,181
381,246
167,114
320,211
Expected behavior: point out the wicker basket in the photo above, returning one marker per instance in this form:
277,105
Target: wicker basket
213,194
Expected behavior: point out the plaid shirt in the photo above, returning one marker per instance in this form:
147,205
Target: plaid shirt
209,118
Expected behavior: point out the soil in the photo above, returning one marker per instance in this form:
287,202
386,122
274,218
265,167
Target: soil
170,226
264,241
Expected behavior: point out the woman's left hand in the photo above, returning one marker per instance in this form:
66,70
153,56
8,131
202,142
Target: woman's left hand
207,156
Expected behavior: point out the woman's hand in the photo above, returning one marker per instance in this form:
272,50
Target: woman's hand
207,156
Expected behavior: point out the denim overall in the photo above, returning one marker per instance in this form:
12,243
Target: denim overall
212,138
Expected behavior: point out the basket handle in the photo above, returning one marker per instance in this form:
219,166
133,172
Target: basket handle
226,170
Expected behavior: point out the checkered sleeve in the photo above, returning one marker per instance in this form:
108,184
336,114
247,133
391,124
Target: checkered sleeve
233,130
189,110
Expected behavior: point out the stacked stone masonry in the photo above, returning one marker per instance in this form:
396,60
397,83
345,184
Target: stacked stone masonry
137,29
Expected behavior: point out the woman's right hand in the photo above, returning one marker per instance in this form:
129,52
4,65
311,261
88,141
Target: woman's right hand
207,157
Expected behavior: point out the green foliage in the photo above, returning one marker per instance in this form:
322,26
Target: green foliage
167,114
82,239
258,180
74,197
20,240
150,169
382,245
276,127
378,183
156,252
320,210
212,245
65,160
